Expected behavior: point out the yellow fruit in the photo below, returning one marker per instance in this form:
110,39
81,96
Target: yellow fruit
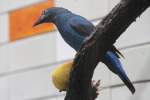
60,76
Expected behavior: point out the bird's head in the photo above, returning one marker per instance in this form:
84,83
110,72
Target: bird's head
49,15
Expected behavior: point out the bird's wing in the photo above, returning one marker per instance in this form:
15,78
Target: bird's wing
82,26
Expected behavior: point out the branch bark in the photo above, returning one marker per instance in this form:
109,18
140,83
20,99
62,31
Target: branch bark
105,35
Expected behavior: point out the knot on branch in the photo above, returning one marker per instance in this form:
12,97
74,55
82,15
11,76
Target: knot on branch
94,90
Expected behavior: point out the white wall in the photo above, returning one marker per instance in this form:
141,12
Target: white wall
8,5
86,8
25,65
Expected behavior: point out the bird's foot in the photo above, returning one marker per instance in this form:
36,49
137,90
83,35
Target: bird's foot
88,41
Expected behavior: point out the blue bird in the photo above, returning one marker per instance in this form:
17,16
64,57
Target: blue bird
75,29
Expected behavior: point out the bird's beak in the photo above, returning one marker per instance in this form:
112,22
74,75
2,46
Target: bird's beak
39,21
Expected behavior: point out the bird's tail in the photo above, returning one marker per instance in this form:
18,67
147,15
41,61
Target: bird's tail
115,66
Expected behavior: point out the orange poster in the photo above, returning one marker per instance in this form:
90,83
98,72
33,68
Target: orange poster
22,20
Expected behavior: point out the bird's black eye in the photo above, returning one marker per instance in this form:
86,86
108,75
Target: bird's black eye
44,12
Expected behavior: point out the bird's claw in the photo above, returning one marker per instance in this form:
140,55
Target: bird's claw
88,41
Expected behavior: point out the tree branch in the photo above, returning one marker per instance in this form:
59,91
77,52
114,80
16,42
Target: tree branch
105,35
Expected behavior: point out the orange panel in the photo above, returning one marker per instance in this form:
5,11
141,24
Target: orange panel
22,20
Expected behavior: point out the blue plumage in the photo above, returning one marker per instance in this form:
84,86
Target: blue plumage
114,64
74,29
